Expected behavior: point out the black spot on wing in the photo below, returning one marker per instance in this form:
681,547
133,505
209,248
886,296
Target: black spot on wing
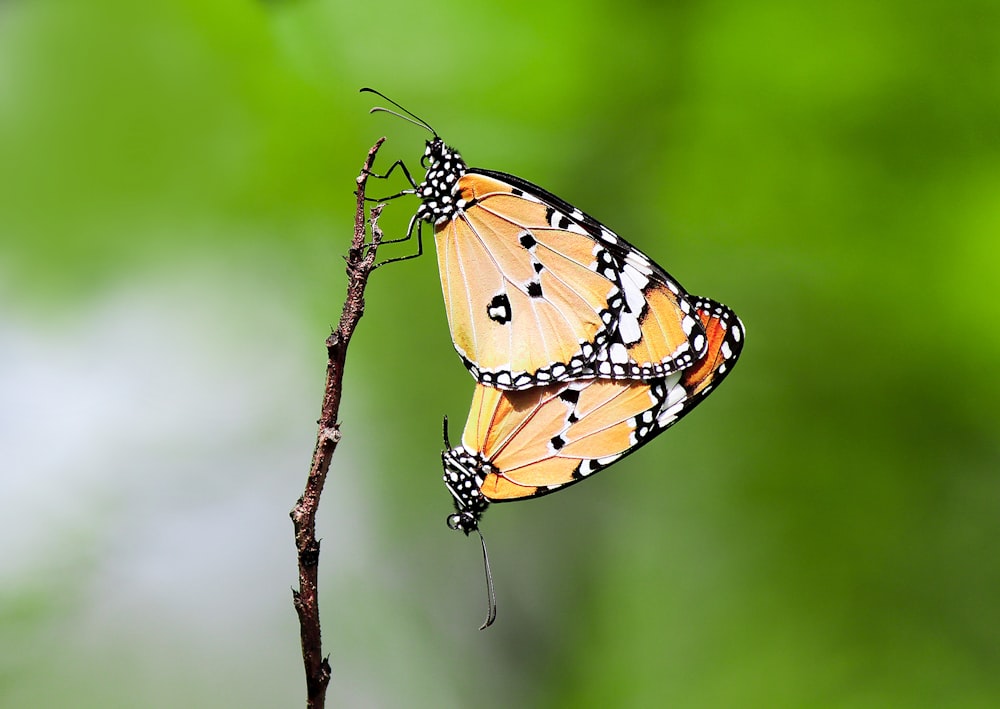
498,309
570,396
535,289
557,219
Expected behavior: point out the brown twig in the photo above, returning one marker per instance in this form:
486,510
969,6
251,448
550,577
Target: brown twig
360,263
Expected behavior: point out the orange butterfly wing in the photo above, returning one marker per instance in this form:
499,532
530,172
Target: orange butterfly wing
525,302
536,291
657,335
532,464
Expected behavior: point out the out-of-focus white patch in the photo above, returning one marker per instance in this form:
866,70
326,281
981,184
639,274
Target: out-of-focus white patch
153,444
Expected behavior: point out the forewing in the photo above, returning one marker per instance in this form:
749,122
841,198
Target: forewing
653,330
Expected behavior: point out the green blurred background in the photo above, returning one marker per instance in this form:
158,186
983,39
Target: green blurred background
176,194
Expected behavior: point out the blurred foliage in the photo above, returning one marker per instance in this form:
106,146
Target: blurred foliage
822,533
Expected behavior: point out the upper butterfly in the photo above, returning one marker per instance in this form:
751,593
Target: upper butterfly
538,292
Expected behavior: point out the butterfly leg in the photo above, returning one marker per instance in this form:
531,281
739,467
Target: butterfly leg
409,230
409,178
409,234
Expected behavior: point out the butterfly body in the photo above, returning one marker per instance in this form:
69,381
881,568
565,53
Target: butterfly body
537,291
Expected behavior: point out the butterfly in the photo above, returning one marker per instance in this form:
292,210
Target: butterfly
524,444
538,292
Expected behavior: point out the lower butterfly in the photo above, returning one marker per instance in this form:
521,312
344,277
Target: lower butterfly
536,291
524,444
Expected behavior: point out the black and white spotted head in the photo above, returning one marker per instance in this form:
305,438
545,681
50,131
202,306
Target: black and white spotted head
439,190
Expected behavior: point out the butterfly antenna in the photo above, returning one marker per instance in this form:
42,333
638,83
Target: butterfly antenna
491,609
410,116
447,443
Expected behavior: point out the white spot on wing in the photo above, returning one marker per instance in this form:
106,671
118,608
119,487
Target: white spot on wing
634,297
618,353
639,278
668,416
628,328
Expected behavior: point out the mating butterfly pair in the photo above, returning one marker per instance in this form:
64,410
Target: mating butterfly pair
582,347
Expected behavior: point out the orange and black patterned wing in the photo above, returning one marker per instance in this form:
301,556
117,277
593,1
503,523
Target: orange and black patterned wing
655,331
658,331
525,444
527,303
537,292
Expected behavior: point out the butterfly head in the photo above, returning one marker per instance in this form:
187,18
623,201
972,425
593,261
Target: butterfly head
464,474
463,521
